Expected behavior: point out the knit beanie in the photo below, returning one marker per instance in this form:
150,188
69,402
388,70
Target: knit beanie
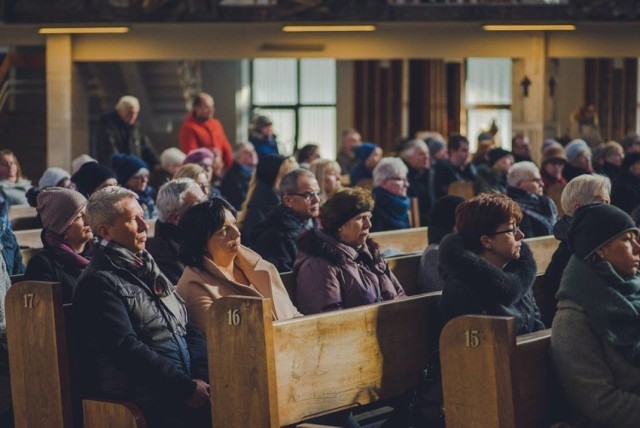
629,160
442,217
127,166
52,177
202,154
90,176
77,163
594,226
553,152
58,207
268,168
547,143
496,154
575,148
363,151
342,207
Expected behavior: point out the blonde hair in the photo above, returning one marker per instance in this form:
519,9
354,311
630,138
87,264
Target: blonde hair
190,170
289,164
318,167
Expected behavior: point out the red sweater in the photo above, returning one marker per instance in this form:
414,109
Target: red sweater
195,134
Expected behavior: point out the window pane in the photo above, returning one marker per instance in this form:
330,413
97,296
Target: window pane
274,82
488,81
284,127
318,125
317,81
480,121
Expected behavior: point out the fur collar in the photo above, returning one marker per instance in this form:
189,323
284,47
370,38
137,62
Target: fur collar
508,285
316,243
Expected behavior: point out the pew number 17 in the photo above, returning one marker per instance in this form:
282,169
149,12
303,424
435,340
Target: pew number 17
234,316
471,338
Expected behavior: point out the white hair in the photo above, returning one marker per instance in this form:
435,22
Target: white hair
128,102
521,171
104,206
584,190
172,156
411,146
171,197
387,168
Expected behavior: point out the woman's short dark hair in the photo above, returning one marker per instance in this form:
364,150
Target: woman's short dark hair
196,227
482,215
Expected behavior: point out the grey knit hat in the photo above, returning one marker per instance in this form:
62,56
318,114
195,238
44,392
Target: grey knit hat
52,177
575,148
58,207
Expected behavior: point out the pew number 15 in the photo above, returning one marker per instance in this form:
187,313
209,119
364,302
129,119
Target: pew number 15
234,316
471,338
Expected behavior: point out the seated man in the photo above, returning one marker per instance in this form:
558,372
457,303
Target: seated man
416,156
174,199
275,238
492,177
456,167
132,326
235,183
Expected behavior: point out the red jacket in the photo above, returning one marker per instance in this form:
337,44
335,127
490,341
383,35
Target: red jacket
195,134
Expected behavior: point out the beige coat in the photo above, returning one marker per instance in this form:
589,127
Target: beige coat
200,287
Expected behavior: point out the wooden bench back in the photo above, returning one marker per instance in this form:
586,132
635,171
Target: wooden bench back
272,374
542,248
40,361
461,188
402,242
491,378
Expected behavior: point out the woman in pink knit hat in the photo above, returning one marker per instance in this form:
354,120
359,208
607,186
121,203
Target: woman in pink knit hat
66,237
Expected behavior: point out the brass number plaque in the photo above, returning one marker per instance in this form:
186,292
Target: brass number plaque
28,300
471,338
234,316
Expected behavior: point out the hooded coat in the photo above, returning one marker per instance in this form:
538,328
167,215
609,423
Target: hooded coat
475,286
331,275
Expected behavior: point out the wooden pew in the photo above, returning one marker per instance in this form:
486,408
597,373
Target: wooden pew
41,368
17,211
278,373
542,248
491,378
23,217
402,242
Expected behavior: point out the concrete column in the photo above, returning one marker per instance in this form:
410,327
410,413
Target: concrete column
59,95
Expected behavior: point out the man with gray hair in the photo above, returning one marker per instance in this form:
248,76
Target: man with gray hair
174,199
415,154
132,327
275,238
119,131
390,184
525,186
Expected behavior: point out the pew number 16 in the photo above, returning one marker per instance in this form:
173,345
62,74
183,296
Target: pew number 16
234,316
471,338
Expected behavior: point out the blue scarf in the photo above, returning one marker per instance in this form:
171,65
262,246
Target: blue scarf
393,209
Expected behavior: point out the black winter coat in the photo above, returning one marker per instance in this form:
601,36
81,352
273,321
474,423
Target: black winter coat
446,173
165,249
47,266
264,199
421,187
475,286
131,349
275,238
235,185
625,193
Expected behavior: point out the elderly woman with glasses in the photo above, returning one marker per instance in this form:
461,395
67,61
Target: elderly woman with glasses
340,266
217,265
390,184
525,186
485,265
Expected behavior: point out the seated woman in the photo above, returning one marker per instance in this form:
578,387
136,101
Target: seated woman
217,265
66,238
525,186
486,267
12,183
55,177
553,162
328,174
133,174
391,210
578,159
340,266
198,174
367,156
442,219
595,344
91,177
264,192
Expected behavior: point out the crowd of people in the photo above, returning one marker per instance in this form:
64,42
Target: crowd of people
229,220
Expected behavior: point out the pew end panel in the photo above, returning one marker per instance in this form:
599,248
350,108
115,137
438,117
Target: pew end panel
492,378
543,248
316,364
40,383
109,414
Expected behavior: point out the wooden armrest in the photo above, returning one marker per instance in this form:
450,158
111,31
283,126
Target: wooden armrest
108,414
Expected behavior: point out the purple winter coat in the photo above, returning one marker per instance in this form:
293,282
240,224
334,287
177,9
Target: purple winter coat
331,275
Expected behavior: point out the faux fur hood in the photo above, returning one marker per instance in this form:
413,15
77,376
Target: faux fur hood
506,285
316,243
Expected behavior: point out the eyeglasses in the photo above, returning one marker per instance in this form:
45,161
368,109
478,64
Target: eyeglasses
514,230
308,196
